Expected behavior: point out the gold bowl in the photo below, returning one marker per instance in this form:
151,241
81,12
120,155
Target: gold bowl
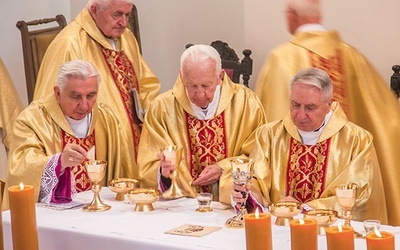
143,198
284,211
121,186
324,218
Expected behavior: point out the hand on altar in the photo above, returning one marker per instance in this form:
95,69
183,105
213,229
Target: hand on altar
209,175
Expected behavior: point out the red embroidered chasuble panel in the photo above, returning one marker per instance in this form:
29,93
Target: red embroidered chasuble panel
334,66
207,144
82,182
125,79
306,170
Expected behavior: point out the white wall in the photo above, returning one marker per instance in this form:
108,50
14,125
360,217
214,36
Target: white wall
166,26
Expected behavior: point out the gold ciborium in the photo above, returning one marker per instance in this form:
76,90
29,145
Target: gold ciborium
121,186
324,218
242,173
346,197
174,155
143,198
96,171
284,211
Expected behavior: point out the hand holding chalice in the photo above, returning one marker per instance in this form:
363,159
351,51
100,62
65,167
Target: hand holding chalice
96,170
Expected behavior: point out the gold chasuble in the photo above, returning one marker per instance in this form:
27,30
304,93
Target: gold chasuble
206,145
171,121
41,132
344,153
363,94
121,71
306,170
82,182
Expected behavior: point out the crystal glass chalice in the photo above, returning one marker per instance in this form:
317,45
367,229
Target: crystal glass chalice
242,173
346,197
96,171
174,155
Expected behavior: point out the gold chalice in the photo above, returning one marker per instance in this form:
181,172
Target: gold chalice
324,218
121,186
174,155
284,211
346,197
242,173
143,198
96,171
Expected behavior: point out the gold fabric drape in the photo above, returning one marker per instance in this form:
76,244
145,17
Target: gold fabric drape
165,124
351,159
81,39
368,100
37,136
10,107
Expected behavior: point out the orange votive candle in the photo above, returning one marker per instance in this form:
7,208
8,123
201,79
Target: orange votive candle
23,217
374,242
340,238
258,231
303,234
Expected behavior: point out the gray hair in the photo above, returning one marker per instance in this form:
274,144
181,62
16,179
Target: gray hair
314,77
306,8
200,53
105,4
77,69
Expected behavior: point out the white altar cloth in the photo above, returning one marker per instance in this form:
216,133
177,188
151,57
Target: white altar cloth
123,228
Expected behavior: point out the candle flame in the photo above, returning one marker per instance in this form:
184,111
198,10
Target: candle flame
339,226
301,221
376,231
21,186
256,214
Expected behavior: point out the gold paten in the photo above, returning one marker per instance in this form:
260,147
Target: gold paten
284,211
121,186
324,218
143,198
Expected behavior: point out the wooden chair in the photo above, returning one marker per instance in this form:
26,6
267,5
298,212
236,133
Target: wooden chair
395,80
133,25
231,64
34,46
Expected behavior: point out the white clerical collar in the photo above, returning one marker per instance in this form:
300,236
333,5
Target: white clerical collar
311,138
80,127
310,27
113,42
209,112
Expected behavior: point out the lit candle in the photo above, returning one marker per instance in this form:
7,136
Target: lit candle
23,217
303,234
340,237
380,240
258,231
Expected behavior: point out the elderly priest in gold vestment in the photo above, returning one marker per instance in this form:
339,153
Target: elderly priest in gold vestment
53,137
316,148
99,34
364,96
211,117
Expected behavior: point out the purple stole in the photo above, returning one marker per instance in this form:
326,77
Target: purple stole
207,144
125,79
306,170
82,182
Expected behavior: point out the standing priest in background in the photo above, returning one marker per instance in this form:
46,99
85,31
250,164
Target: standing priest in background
360,90
99,34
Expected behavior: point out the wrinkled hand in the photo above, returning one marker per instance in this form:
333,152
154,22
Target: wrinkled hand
239,193
166,167
72,155
209,175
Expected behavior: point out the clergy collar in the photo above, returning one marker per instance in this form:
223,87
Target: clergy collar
80,127
310,27
311,138
209,112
